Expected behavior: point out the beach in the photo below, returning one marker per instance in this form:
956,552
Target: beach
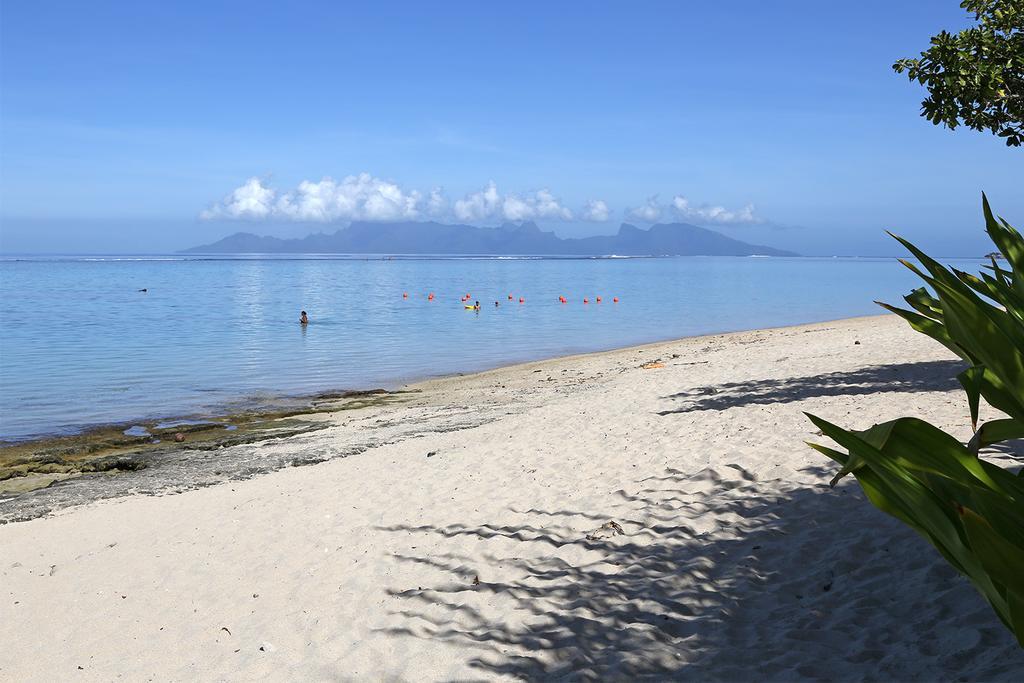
649,511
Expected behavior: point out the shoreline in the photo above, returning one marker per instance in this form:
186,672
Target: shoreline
39,463
298,403
649,512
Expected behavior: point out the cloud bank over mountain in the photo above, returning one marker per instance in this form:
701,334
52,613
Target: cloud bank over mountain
596,211
365,197
681,208
489,204
357,197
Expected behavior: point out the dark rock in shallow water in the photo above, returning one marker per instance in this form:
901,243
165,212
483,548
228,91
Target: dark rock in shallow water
352,394
124,463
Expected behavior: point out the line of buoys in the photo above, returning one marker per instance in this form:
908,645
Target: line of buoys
522,300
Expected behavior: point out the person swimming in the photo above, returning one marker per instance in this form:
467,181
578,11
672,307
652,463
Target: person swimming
495,304
477,305
303,319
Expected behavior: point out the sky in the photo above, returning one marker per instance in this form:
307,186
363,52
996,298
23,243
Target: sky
150,127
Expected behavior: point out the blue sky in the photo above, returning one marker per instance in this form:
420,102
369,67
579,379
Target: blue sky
128,126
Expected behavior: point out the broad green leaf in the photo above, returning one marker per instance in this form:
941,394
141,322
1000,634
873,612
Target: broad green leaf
970,509
996,431
1003,560
970,380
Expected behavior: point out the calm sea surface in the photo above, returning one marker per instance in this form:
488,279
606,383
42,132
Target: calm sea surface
81,346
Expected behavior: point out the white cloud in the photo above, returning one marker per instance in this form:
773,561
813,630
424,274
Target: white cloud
650,212
596,211
682,209
719,215
252,200
361,197
479,205
357,197
367,198
489,204
437,204
364,197
547,206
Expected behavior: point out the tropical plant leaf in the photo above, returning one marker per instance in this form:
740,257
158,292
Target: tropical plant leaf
996,431
970,380
970,509
926,478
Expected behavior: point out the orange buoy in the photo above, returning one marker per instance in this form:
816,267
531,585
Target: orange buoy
430,297
615,300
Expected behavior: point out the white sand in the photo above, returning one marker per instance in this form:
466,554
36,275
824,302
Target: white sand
736,561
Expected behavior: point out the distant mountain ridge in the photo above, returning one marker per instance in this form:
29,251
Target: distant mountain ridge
663,239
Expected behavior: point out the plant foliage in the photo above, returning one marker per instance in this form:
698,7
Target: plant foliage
970,509
976,76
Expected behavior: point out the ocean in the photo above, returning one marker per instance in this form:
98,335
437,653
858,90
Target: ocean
81,346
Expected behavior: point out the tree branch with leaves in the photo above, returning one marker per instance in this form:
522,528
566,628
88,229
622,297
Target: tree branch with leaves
976,77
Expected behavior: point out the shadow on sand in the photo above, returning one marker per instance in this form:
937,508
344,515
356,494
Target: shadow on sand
907,377
713,577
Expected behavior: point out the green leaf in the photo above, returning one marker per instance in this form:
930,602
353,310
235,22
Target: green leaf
996,431
970,380
970,509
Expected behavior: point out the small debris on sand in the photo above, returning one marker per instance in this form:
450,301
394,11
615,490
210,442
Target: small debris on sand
606,530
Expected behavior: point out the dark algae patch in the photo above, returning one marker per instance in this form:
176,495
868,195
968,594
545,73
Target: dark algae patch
117,449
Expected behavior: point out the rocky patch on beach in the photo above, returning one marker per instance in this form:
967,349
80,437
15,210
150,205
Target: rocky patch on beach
159,455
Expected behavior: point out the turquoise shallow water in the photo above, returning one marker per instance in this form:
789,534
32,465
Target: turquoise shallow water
80,346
